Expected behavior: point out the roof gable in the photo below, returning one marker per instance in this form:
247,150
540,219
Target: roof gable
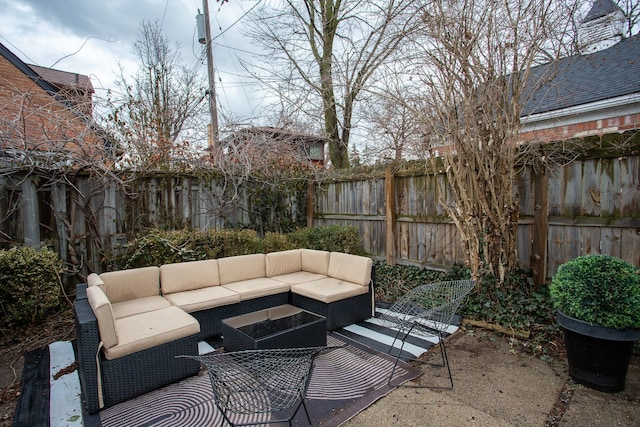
601,8
61,78
20,65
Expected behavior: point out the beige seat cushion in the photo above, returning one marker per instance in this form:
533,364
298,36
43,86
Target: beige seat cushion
138,305
329,290
102,310
242,267
135,283
350,268
255,288
315,261
187,276
299,277
146,330
202,299
284,262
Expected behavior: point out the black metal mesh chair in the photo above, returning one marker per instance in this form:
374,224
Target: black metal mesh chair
253,385
427,311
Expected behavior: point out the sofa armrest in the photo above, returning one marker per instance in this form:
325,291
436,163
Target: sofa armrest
81,291
88,342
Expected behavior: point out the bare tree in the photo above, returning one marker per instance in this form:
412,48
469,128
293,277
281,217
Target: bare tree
320,55
261,176
160,109
394,131
478,55
631,9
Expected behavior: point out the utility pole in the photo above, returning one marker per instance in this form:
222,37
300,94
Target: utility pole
213,109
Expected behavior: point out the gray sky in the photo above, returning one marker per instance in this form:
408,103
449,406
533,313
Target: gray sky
92,37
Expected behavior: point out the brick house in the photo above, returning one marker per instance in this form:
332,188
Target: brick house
46,113
46,130
594,93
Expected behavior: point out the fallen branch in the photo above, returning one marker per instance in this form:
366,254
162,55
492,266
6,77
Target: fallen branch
497,328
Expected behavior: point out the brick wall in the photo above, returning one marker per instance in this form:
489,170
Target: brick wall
32,119
580,130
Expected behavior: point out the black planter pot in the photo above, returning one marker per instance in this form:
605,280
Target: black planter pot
598,357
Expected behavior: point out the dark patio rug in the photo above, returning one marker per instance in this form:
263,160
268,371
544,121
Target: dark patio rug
344,382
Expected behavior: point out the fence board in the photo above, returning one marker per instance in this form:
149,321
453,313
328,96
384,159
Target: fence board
593,206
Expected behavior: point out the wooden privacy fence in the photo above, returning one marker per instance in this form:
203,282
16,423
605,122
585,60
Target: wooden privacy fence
85,219
590,206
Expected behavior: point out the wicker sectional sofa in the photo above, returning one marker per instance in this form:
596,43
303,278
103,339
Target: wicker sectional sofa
130,324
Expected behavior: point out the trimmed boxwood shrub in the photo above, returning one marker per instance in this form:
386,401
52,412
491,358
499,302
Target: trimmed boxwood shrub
333,238
275,242
30,286
158,247
599,289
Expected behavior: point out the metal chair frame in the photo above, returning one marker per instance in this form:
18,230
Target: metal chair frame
253,382
427,311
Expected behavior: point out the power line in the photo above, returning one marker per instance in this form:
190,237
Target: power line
237,20
164,13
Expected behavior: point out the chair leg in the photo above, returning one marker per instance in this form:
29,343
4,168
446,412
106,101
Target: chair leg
225,418
395,364
306,412
443,353
445,358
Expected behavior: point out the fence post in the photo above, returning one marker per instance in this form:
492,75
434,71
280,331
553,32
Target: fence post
59,201
540,228
30,213
390,214
310,204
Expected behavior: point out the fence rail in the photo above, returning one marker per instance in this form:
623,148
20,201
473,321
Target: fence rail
590,206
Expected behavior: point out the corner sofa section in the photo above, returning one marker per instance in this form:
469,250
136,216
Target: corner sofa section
127,336
344,296
130,324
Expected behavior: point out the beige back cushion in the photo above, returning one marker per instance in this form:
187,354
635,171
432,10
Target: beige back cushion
125,285
285,262
350,268
315,261
241,267
94,280
188,276
102,310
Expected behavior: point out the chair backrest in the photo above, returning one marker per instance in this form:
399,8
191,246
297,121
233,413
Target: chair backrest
260,381
432,305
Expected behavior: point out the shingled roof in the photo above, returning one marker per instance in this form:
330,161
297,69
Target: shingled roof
584,79
61,79
601,8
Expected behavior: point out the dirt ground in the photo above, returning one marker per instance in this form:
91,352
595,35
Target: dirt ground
496,383
14,345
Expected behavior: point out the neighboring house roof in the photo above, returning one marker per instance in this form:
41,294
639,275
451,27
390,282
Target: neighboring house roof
281,133
585,79
64,78
312,146
600,9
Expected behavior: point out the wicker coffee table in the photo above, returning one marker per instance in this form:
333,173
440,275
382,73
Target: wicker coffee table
284,326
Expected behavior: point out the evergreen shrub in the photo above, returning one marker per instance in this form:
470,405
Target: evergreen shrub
30,286
599,289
